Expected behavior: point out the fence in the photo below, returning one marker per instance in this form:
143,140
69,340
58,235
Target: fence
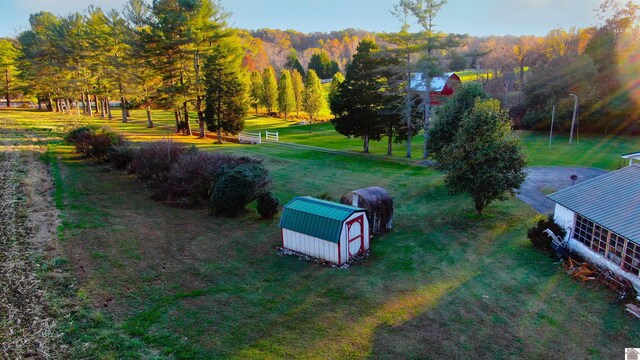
271,136
251,138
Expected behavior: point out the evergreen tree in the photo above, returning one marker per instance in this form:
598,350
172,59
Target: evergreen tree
270,89
298,87
324,67
286,97
313,97
360,101
293,63
226,97
338,79
257,89
8,61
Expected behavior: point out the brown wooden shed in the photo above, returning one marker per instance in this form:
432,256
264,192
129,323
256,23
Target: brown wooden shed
377,203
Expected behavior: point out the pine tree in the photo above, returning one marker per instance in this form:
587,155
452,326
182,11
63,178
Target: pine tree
298,88
338,79
313,97
270,88
257,89
8,60
226,89
360,102
286,98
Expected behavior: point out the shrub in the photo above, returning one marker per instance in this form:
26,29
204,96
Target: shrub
121,156
268,205
97,144
191,176
152,162
72,135
537,235
236,187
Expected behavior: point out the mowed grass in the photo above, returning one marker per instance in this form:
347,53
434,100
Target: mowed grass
443,283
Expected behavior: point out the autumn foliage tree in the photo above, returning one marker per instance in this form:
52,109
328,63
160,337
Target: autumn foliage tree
313,99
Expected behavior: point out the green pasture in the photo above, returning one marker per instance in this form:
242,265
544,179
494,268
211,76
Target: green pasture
166,282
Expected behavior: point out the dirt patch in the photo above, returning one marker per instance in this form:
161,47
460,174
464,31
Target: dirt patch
544,180
27,329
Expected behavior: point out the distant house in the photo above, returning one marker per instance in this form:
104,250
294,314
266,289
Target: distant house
602,219
441,86
324,229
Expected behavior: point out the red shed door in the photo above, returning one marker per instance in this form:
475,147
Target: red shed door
355,233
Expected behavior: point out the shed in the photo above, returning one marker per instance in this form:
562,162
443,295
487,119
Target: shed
377,203
324,229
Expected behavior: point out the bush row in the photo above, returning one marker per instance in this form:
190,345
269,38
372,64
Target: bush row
183,175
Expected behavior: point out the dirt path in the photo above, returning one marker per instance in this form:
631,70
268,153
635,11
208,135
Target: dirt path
543,180
27,227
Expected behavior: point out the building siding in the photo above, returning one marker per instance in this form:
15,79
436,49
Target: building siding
310,245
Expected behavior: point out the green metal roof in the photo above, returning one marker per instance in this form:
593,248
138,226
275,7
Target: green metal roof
611,200
314,217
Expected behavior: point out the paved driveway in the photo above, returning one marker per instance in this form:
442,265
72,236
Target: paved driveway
544,180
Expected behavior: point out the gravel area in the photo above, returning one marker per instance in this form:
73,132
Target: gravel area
544,180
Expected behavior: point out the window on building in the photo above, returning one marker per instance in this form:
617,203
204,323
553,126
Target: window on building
583,230
631,261
614,247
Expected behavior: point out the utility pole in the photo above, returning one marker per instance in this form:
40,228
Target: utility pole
553,116
573,122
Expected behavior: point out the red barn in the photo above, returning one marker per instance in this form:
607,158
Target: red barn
441,86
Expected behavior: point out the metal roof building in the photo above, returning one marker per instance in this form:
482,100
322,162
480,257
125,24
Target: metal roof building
602,219
324,229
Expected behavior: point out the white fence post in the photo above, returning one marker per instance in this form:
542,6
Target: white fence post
247,137
271,135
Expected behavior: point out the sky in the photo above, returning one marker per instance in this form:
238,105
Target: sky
474,17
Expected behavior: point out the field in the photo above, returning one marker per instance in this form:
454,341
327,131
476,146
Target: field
155,281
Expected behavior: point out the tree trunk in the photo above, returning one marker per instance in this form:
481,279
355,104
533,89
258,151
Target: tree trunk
390,139
219,131
176,112
123,106
84,104
108,106
6,74
100,105
366,143
149,120
256,109
127,108
187,125
427,116
89,109
407,109
200,117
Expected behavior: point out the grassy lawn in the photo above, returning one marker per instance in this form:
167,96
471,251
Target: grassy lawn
591,151
443,283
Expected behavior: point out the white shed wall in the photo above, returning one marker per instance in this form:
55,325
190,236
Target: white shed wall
564,217
310,245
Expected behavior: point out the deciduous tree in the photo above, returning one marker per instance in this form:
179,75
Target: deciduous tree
286,98
485,159
313,97
270,89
